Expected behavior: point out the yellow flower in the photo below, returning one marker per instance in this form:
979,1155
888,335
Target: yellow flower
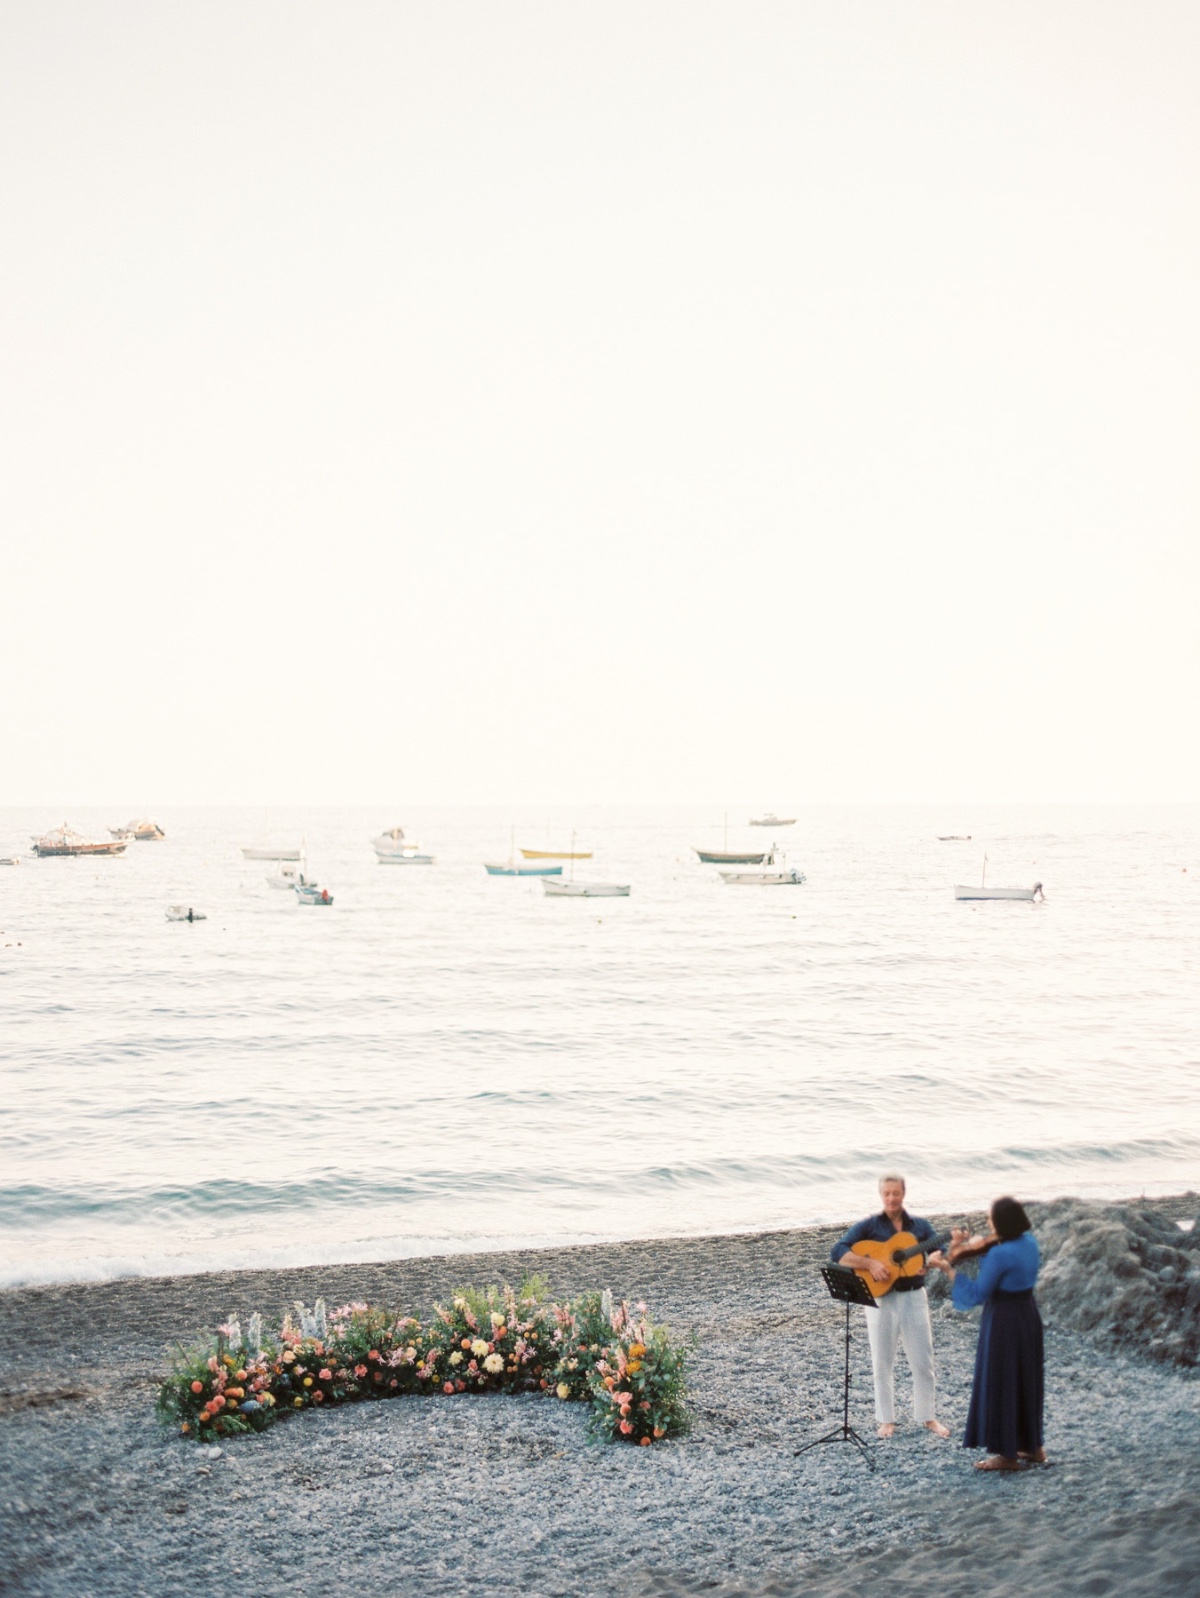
308,1381
563,1390
636,1350
634,1366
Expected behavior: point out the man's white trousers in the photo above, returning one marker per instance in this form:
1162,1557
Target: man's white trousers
902,1319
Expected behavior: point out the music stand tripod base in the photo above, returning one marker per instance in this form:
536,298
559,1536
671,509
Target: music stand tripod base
848,1288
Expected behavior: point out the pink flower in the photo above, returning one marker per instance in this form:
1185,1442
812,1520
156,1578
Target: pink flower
360,1370
626,1427
324,1375
447,1387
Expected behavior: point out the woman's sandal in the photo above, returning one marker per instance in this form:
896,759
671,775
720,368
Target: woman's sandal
998,1462
1036,1458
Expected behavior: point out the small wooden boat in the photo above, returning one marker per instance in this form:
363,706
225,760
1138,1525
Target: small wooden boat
557,854
184,912
519,868
139,831
62,841
311,894
784,877
1025,895
726,857
10,859
585,890
773,821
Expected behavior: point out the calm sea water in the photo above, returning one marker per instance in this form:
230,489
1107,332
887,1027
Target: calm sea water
445,1061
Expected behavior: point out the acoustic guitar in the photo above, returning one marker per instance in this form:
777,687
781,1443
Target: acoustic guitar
902,1255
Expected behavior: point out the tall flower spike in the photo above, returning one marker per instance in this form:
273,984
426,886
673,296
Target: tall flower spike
606,1304
233,1331
319,1317
254,1334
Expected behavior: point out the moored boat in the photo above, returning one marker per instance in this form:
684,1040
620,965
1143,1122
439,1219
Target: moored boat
268,853
1024,895
585,890
392,848
557,854
732,857
184,912
772,820
309,893
62,841
520,868
139,831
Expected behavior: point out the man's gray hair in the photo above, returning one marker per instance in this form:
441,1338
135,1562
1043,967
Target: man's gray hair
892,1177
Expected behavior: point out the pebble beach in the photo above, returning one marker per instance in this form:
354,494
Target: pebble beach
491,1494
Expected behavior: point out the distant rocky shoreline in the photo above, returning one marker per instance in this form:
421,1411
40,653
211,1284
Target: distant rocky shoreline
472,1496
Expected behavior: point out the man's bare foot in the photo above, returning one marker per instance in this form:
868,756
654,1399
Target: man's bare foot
886,1430
1038,1457
936,1427
998,1462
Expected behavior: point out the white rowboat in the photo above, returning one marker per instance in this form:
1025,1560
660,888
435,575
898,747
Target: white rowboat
584,890
763,879
1024,895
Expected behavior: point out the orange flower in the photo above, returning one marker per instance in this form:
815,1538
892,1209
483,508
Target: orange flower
197,1387
185,1427
644,1441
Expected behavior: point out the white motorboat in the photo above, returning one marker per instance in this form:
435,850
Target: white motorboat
1024,895
271,854
392,848
10,859
184,912
309,893
288,876
557,889
772,820
767,878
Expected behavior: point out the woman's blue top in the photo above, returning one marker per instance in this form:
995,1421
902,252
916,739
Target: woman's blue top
1007,1268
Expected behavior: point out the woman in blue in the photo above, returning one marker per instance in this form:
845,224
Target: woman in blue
1006,1400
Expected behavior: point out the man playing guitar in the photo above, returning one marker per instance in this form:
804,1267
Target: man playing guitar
899,1316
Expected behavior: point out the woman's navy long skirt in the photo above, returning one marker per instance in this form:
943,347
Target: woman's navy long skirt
1006,1400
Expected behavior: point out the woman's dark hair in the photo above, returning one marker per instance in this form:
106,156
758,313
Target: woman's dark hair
1009,1219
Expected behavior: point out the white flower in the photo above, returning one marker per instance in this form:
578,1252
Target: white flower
497,1320
456,1358
254,1334
479,1348
606,1305
494,1363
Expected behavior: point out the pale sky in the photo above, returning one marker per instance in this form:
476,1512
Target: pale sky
661,401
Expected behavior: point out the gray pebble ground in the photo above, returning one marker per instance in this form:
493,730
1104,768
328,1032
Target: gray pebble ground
508,1495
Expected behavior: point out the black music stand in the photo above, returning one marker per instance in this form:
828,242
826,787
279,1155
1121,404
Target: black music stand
848,1288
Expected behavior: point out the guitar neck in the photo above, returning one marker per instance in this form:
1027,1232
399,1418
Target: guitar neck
927,1247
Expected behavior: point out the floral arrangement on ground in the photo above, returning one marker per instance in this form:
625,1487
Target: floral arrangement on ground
494,1340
